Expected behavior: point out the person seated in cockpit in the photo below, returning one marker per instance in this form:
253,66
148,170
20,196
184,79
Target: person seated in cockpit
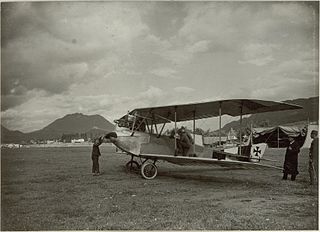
184,143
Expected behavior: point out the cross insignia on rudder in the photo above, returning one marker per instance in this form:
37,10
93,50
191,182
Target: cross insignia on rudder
256,151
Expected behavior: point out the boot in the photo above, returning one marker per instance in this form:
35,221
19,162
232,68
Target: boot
285,176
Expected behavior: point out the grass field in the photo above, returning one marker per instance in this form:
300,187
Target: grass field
53,189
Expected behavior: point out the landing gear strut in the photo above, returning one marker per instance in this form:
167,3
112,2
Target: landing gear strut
132,166
148,170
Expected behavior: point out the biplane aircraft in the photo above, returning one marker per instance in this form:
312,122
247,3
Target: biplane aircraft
142,136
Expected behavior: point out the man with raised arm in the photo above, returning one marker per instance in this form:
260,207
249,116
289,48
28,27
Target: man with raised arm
95,156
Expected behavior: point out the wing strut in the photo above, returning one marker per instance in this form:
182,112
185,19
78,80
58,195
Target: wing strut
220,103
161,129
134,123
278,137
241,108
194,132
148,126
175,129
155,125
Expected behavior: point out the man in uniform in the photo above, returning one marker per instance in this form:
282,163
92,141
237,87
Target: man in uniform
313,157
290,165
185,142
95,156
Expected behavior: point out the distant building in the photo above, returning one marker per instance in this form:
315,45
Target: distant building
11,145
77,140
212,140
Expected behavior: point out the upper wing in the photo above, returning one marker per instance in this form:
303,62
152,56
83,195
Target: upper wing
233,107
182,160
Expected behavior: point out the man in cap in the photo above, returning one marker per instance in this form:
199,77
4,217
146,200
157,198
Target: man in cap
290,165
313,157
185,141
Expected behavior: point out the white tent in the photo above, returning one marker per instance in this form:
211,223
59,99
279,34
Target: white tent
307,142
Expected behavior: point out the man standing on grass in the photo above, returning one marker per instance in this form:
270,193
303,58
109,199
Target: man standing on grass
95,156
290,165
313,157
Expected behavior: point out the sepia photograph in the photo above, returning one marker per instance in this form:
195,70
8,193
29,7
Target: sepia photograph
159,115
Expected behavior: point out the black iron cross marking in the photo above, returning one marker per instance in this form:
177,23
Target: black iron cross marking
257,151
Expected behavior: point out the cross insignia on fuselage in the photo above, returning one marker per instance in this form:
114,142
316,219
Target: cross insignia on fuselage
257,151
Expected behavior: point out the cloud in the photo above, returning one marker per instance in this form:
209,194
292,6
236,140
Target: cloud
152,92
164,72
208,21
29,116
183,89
110,57
296,69
177,56
297,13
258,54
294,76
200,46
61,43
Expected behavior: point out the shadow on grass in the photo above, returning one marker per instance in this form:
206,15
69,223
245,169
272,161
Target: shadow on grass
207,179
192,174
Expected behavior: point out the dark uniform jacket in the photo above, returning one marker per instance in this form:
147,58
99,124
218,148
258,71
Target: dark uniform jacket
314,156
95,151
185,140
291,159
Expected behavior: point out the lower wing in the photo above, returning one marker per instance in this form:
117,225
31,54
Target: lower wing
197,161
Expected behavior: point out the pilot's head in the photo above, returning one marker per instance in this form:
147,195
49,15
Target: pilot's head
182,129
290,139
112,136
314,134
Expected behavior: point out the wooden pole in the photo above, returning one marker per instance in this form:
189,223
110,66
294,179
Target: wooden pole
278,137
219,124
240,152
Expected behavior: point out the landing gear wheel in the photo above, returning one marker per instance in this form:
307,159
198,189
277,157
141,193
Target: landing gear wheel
132,166
149,171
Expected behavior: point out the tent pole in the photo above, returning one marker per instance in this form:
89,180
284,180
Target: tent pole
175,130
278,137
251,134
220,124
240,152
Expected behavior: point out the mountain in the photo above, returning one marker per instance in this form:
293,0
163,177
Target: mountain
8,136
309,112
72,124
69,124
95,125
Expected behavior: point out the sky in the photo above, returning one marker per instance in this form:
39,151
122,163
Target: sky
106,58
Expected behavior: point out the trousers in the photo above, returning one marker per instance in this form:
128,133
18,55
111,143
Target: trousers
95,164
